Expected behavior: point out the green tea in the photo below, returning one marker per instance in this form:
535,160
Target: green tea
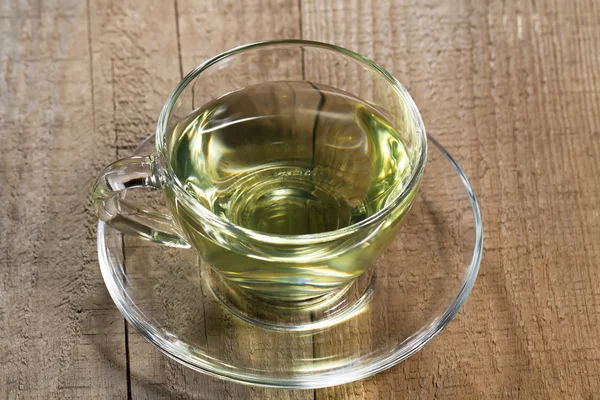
289,158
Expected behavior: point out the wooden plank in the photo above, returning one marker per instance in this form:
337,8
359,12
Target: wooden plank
198,34
510,89
60,335
135,67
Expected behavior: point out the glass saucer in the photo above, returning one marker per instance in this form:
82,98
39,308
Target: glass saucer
409,295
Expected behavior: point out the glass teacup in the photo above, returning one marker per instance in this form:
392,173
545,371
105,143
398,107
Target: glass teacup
289,166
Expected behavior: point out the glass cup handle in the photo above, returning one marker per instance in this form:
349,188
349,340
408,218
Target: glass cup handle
110,207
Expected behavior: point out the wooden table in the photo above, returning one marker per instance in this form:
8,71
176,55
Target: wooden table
511,88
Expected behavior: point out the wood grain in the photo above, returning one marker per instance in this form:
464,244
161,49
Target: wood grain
510,88
60,336
135,66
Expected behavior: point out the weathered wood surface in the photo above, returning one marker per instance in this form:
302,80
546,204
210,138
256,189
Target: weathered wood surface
60,336
509,87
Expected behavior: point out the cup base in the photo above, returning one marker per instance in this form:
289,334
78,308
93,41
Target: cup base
305,315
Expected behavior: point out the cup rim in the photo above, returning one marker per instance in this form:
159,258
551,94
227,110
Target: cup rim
225,226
